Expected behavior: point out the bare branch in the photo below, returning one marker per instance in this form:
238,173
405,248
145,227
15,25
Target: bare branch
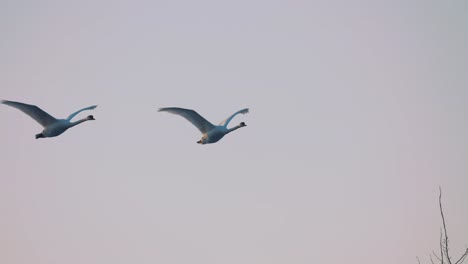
435,255
447,255
444,242
462,258
441,244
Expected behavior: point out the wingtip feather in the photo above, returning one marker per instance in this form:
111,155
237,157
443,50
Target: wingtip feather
7,102
164,109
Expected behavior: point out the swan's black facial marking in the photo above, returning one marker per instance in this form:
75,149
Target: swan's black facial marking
199,142
242,124
40,135
90,117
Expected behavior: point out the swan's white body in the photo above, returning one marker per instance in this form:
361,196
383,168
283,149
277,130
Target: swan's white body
52,126
211,133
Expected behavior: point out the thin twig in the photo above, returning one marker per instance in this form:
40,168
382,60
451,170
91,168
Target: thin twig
447,255
462,258
441,244
444,242
435,255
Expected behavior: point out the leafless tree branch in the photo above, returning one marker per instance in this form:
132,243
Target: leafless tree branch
462,258
447,255
437,257
441,244
444,242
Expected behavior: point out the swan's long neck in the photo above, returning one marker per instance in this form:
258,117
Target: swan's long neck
229,130
72,124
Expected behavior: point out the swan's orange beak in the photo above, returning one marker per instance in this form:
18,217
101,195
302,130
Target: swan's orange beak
199,142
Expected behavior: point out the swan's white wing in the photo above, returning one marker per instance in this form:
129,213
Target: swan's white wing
197,120
227,120
77,112
33,111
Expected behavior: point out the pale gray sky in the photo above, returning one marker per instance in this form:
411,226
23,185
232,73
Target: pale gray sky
358,115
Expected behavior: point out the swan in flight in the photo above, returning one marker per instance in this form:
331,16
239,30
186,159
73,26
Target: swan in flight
52,127
211,133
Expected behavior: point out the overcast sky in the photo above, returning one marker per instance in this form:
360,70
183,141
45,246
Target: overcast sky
357,116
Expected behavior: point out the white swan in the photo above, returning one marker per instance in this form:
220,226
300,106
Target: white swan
211,133
52,127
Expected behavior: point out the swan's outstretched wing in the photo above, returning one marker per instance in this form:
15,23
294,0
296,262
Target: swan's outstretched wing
77,112
33,111
227,120
197,120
